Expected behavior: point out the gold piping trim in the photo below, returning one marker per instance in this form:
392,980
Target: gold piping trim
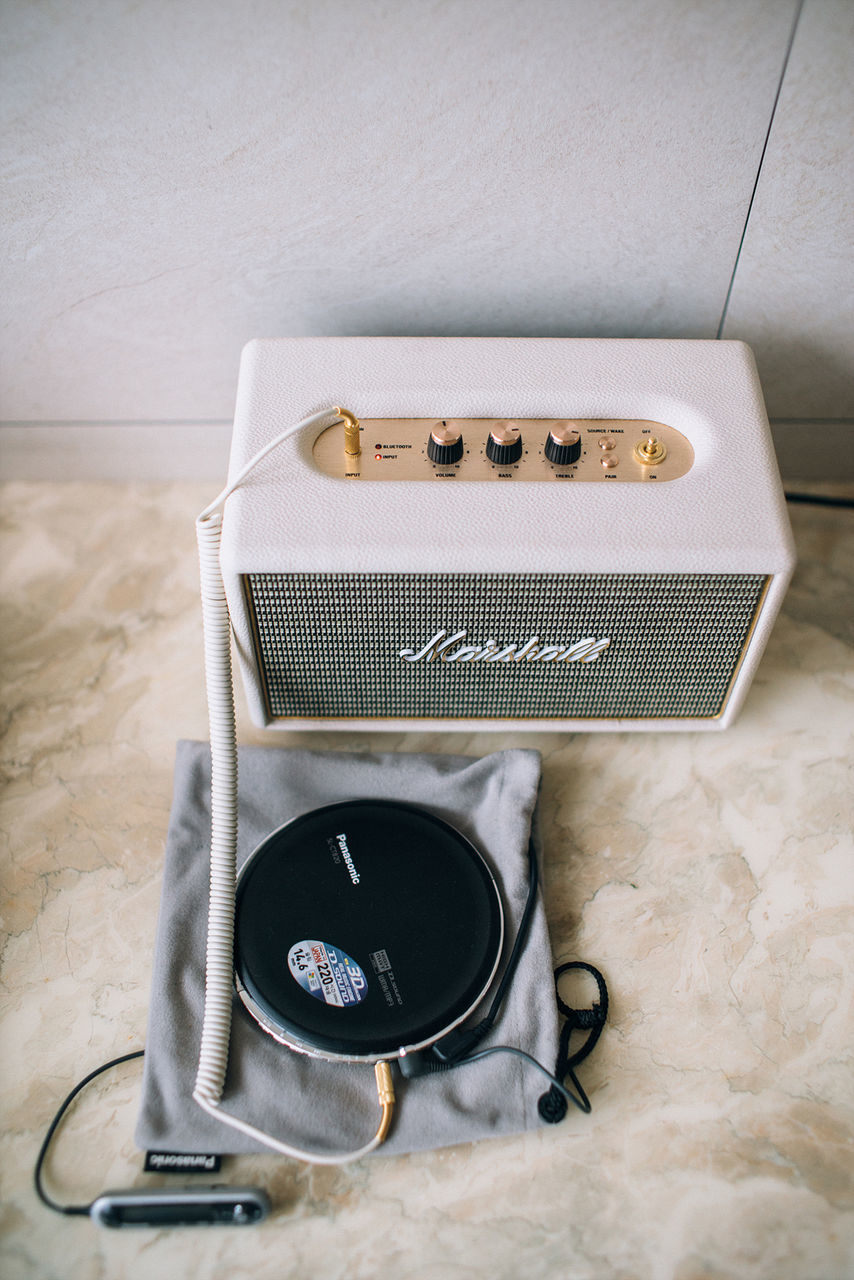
757,611
258,651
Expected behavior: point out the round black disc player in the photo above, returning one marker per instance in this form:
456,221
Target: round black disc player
365,930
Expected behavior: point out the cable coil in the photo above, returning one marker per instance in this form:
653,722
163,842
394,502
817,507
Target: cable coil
219,956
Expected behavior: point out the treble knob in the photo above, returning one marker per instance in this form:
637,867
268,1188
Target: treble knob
445,444
504,444
563,444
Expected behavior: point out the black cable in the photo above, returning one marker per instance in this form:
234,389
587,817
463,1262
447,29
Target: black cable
521,937
552,1105
820,499
457,1044
454,1050
582,1102
415,1065
40,1191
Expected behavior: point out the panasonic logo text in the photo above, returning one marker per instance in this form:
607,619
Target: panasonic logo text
348,859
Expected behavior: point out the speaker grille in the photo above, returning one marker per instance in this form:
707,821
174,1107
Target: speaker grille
328,645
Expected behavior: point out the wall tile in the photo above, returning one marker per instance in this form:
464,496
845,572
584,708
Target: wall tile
182,177
793,296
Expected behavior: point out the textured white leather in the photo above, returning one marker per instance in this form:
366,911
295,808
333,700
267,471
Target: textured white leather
726,515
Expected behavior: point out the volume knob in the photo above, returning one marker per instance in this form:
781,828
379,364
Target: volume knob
445,444
563,444
504,444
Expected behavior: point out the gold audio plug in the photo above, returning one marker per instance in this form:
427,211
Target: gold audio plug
385,1097
352,445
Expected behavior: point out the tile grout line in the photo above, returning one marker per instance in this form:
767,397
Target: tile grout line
783,70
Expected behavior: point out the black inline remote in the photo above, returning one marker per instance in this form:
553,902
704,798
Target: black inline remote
189,1207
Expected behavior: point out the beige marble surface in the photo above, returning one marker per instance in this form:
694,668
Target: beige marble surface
710,876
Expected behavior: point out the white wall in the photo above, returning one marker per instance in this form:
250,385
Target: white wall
793,294
183,175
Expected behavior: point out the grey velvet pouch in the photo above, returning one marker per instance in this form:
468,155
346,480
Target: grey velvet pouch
329,1106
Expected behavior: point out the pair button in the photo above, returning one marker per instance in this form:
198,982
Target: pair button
609,459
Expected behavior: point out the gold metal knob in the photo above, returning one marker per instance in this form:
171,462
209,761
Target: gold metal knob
650,451
563,444
504,443
445,445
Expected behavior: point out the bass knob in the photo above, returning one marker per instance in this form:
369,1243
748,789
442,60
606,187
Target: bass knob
504,444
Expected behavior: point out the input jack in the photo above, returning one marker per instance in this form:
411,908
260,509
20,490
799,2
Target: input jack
352,444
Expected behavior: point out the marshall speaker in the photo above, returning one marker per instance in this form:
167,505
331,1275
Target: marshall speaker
512,533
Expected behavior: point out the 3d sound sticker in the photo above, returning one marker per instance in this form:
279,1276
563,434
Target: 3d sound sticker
327,973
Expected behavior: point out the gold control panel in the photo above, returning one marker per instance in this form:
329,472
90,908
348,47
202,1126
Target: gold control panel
633,450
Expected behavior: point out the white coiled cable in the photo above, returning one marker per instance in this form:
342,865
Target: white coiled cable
219,958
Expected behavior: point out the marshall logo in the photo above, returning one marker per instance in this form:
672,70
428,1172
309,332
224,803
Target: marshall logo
441,646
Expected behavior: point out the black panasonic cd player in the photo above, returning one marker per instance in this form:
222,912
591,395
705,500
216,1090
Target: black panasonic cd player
365,930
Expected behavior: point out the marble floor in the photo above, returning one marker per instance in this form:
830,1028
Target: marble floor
710,876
